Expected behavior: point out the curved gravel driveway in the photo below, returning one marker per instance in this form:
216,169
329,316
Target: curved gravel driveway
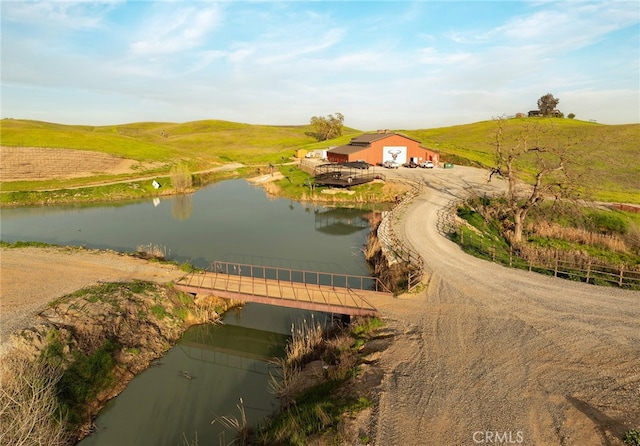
490,355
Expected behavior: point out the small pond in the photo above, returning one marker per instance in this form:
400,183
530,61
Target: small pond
213,366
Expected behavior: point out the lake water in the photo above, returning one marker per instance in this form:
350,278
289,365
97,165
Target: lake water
213,366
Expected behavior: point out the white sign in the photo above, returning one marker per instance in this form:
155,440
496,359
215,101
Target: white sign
397,154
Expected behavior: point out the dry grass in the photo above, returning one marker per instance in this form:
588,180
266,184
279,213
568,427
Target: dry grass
238,426
29,411
548,256
305,338
151,251
577,235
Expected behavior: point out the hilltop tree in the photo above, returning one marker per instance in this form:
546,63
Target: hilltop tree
547,104
533,153
327,128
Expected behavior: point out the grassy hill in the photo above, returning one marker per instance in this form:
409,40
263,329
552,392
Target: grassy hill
199,143
607,155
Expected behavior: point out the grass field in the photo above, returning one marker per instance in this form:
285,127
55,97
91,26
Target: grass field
606,156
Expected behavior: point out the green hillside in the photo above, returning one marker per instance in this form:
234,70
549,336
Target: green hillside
607,157
200,143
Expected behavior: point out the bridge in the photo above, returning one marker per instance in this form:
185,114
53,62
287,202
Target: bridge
309,290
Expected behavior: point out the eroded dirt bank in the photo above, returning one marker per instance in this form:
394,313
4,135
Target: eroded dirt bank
70,303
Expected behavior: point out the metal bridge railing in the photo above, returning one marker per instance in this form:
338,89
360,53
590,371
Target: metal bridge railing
336,280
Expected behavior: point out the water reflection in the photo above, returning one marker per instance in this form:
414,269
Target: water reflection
201,378
226,221
340,221
182,207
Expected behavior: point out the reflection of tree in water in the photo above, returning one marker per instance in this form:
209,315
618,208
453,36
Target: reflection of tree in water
182,207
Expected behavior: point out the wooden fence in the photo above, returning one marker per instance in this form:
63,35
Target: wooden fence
624,276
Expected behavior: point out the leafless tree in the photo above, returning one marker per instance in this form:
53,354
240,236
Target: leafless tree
534,161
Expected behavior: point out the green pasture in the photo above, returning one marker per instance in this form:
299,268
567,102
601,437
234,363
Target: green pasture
606,156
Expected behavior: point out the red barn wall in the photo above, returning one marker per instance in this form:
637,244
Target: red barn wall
375,153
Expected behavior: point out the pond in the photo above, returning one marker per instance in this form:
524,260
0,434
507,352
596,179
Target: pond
213,366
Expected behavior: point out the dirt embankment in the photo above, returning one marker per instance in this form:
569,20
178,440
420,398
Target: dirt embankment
42,311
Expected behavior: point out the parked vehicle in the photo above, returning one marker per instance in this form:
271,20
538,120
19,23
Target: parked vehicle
427,165
411,165
391,164
360,164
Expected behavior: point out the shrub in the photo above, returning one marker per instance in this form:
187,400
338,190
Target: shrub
632,437
181,179
85,377
29,410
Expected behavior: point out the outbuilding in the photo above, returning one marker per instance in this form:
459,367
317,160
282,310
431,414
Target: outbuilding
376,148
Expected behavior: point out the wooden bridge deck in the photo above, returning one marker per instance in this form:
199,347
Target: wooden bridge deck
284,293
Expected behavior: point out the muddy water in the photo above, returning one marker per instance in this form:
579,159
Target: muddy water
204,377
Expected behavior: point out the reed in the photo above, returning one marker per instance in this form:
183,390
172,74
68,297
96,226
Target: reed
577,235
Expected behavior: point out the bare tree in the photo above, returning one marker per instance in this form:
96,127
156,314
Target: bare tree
181,178
327,128
536,154
547,104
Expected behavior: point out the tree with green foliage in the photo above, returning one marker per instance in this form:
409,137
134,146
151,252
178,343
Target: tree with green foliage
571,115
547,104
533,152
327,128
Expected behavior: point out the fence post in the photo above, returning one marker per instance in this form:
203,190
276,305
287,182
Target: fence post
510,255
588,270
621,275
555,269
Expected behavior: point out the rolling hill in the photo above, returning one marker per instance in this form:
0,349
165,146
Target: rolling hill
606,155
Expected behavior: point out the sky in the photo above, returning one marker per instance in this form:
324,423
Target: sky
381,64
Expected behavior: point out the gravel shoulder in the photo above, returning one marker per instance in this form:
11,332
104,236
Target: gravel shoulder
482,350
489,349
32,277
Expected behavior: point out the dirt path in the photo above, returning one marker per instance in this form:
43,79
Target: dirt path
488,349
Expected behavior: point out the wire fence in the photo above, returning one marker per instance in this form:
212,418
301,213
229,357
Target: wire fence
553,263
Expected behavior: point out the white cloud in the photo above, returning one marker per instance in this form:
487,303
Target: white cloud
171,31
58,14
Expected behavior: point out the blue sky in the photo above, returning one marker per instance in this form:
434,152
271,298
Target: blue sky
397,65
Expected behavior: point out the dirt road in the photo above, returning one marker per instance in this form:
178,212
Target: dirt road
491,355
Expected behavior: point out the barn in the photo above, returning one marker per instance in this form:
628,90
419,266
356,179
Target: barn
376,148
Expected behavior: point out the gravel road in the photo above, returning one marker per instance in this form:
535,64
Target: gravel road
490,355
